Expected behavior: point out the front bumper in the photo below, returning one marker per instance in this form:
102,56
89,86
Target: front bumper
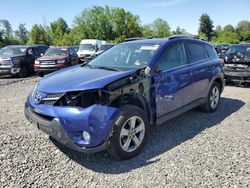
8,70
237,76
55,129
48,68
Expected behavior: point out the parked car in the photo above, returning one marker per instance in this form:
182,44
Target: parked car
76,48
17,60
237,64
221,48
89,47
111,102
42,48
102,49
56,58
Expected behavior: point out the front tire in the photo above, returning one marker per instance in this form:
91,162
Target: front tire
129,133
212,99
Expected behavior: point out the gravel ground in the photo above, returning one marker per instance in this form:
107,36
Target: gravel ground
193,150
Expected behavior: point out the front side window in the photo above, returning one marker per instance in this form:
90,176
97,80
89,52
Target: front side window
196,52
126,56
172,57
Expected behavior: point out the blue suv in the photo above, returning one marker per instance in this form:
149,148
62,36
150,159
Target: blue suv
112,102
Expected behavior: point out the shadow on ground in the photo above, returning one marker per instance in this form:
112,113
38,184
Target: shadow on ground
161,139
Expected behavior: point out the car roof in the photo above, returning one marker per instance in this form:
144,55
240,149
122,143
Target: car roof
60,47
20,46
159,41
242,44
162,41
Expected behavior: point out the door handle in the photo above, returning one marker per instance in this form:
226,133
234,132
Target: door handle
169,97
186,75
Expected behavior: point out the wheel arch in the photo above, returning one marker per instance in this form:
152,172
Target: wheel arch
135,100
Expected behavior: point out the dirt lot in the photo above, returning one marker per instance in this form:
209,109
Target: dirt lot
193,150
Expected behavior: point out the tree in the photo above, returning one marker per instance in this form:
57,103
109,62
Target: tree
38,35
161,28
158,28
112,24
147,30
179,31
6,33
228,28
206,26
5,28
57,30
243,30
227,35
22,34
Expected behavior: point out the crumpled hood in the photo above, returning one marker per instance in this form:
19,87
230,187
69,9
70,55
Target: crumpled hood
77,78
54,57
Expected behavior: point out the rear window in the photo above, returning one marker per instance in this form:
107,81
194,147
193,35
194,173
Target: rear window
196,52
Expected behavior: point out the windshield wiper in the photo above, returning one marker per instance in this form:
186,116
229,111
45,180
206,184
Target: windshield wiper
107,68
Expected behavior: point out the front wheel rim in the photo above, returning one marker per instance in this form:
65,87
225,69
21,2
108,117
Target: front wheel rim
214,97
132,134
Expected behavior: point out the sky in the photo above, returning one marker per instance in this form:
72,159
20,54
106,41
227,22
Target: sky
183,13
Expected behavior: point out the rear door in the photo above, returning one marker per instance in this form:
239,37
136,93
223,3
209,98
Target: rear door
31,55
173,85
200,57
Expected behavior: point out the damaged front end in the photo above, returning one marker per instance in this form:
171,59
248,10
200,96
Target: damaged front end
87,117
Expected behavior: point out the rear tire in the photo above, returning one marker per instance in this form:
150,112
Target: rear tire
129,133
212,99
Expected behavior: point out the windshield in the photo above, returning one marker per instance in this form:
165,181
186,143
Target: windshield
89,47
236,49
56,51
104,47
126,56
9,51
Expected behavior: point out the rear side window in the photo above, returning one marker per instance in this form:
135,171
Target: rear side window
210,50
172,57
196,52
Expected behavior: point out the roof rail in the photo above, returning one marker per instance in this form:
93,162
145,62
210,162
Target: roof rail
138,38
184,36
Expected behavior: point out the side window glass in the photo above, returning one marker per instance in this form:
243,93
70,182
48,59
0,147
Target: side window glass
30,51
71,52
172,57
210,50
196,52
37,51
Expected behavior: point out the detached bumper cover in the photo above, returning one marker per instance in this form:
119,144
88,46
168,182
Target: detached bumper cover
55,129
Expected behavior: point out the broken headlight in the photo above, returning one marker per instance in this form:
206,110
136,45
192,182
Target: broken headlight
83,99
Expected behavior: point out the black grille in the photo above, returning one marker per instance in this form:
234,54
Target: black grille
52,98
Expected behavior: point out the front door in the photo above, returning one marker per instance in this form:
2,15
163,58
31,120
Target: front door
173,84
